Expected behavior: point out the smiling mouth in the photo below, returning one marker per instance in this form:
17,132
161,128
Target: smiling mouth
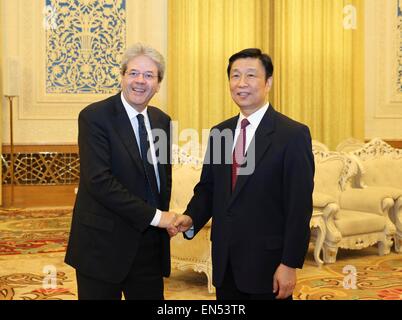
137,90
243,94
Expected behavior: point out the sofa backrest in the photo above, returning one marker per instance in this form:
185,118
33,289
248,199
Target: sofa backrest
380,164
334,172
349,145
319,146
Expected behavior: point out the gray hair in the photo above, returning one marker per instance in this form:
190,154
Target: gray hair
140,49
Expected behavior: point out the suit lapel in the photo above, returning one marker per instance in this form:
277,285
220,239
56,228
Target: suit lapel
125,130
258,146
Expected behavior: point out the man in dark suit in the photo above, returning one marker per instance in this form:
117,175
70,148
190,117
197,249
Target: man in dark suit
118,241
260,198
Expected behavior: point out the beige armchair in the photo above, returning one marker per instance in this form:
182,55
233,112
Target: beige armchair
196,253
380,170
354,218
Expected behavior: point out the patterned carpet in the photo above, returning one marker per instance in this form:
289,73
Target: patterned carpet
34,231
32,245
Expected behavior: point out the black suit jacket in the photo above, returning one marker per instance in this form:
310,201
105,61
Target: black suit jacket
265,221
110,212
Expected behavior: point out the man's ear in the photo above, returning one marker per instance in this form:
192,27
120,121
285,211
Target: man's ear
269,82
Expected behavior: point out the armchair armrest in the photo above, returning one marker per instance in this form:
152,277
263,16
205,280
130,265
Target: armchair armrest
329,208
390,192
321,200
372,200
398,214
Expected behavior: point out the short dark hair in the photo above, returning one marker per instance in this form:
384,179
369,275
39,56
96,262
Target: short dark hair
253,53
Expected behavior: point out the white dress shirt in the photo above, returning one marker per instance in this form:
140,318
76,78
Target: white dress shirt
132,114
254,120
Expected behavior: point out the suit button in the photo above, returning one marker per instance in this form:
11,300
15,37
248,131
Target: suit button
229,213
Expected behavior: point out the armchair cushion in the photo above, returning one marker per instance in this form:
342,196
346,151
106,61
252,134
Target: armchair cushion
375,200
356,222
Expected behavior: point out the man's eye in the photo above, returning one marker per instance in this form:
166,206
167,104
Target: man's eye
148,75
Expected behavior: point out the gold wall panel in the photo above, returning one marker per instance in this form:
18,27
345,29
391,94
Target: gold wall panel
383,87
58,75
84,43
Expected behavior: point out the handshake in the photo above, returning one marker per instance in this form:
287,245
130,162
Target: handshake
175,223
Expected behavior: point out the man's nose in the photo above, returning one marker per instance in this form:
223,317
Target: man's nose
242,81
140,78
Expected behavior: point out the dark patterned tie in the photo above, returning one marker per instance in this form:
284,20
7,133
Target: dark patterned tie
152,187
239,152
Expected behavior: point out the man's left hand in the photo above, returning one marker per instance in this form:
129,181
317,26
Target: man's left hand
284,281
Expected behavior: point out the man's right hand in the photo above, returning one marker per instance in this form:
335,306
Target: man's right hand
167,219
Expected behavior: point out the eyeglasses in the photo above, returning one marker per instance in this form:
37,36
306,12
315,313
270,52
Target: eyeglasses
146,75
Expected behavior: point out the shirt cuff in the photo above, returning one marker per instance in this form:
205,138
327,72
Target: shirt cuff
190,232
157,218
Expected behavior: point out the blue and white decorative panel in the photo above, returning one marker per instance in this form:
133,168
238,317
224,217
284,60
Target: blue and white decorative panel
85,40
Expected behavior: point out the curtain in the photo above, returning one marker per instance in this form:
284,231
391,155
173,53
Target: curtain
202,35
317,55
319,60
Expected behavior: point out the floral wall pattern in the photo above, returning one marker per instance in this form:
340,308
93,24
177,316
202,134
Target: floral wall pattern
85,40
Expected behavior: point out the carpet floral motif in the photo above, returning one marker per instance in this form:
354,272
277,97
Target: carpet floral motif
377,278
34,231
10,283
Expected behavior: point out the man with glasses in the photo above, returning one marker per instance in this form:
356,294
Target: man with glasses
118,241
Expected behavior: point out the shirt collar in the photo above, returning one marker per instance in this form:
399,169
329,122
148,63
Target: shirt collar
132,113
254,118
